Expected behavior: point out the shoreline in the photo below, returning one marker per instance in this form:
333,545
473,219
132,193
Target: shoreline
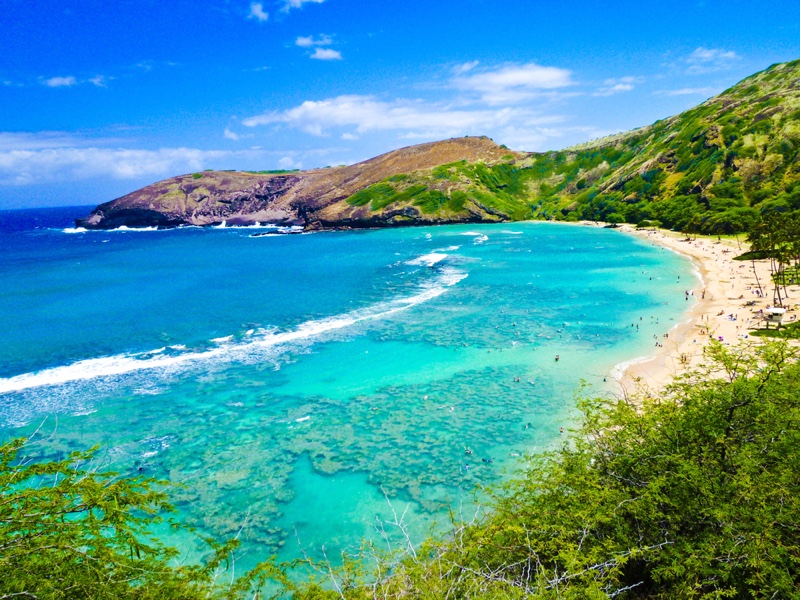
726,307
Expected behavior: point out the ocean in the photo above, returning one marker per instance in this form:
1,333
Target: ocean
314,390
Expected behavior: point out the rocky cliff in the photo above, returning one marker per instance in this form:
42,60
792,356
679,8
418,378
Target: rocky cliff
314,199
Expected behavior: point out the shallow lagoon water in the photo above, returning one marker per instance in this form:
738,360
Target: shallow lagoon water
301,387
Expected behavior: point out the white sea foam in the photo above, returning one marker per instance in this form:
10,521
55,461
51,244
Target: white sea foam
618,371
137,229
478,238
508,231
427,260
256,225
74,230
301,419
227,349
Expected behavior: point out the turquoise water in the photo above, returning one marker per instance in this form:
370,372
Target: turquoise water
304,387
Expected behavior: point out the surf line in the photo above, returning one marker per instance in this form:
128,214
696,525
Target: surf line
122,364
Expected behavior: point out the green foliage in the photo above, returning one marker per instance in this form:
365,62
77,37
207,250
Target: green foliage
790,331
277,171
68,531
197,175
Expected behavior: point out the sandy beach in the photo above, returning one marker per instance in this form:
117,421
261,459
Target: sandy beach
725,304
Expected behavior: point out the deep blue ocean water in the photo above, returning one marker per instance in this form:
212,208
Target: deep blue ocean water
301,387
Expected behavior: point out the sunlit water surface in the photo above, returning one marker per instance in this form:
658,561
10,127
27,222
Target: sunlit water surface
302,387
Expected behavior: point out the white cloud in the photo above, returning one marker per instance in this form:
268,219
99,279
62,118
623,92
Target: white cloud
52,156
24,167
70,81
257,12
287,162
542,138
310,41
46,139
230,134
290,4
409,118
513,83
701,91
618,85
349,136
709,60
60,81
464,67
326,54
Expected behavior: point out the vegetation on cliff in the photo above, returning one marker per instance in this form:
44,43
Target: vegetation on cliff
716,168
694,493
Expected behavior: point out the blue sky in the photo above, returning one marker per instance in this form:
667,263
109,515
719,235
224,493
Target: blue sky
99,98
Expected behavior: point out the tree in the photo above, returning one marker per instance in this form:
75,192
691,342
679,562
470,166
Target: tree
69,531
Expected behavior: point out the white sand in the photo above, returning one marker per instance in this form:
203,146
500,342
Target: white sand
728,285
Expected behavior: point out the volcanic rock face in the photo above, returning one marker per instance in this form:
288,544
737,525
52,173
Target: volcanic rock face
314,199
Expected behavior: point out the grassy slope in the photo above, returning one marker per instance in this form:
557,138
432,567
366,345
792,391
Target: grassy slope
713,168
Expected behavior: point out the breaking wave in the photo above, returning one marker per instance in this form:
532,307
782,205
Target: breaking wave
228,348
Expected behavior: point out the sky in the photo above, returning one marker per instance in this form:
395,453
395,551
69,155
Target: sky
100,98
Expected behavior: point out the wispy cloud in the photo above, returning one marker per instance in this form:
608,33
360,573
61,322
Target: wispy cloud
14,140
512,84
230,135
326,54
290,4
310,41
257,12
60,81
25,167
465,67
687,91
72,81
614,86
709,60
288,162
409,119
43,157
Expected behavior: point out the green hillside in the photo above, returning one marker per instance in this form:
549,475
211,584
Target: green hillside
714,168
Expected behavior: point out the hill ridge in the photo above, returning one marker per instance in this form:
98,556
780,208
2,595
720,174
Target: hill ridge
714,168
